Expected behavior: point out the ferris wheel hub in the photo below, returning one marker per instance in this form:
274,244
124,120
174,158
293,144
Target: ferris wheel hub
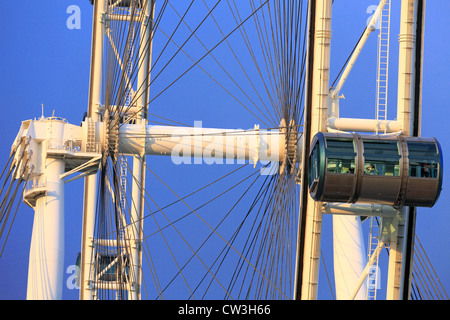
289,160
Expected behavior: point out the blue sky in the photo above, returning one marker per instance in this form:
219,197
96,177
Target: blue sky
44,62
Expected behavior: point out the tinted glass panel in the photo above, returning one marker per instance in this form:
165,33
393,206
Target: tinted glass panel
423,169
341,165
382,167
381,148
314,165
422,150
341,156
381,158
423,160
340,146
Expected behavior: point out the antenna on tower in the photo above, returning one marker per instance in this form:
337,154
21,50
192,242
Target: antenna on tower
42,114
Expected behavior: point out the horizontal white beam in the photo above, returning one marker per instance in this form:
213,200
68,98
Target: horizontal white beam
364,125
208,143
360,209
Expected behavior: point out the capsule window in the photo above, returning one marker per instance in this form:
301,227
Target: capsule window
341,156
423,160
341,165
423,169
381,158
314,165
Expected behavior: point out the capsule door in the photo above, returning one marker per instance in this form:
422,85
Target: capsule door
341,168
382,170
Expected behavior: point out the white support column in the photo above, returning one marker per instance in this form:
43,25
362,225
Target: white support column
406,40
90,187
46,264
319,115
349,256
138,185
96,73
145,58
396,271
137,224
321,81
396,256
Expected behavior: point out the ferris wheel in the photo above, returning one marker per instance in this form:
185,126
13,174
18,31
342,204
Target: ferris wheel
225,198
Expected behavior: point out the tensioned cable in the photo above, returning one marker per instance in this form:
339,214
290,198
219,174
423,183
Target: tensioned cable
13,218
202,57
431,281
218,225
204,204
6,205
173,222
268,233
205,222
219,84
280,228
245,37
253,244
422,277
160,209
254,89
190,194
226,249
225,71
264,186
348,58
148,42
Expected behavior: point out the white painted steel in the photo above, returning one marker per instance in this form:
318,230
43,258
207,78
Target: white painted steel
406,40
136,227
396,269
46,262
360,283
360,209
138,184
349,255
209,144
319,115
364,125
90,184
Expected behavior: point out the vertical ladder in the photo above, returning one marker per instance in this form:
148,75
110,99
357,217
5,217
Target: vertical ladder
129,67
383,64
384,25
123,171
372,276
91,145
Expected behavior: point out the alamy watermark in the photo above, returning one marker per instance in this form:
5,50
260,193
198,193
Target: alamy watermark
73,280
196,145
373,279
73,22
371,10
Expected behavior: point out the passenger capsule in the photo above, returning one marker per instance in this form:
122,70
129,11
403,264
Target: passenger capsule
383,169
